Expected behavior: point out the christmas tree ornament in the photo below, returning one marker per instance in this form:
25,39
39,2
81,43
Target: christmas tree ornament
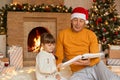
43,7
33,9
1,22
104,39
35,5
104,30
106,22
116,32
14,8
99,6
92,15
28,9
92,26
118,28
1,18
47,9
114,19
107,33
99,19
66,10
11,4
106,13
94,0
24,7
103,1
57,6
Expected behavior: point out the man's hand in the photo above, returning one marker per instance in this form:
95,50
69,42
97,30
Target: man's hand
82,62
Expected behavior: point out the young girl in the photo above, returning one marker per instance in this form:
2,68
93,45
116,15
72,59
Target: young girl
45,61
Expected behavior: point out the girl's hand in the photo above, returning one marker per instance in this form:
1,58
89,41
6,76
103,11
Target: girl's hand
58,77
59,65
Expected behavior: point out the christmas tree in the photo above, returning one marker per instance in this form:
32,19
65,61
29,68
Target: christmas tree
105,22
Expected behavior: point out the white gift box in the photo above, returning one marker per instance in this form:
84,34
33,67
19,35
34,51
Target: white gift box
3,45
114,52
115,47
113,62
16,57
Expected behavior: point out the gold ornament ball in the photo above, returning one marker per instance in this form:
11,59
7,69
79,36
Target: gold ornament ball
106,22
92,14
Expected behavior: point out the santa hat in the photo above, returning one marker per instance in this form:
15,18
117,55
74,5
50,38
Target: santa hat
80,12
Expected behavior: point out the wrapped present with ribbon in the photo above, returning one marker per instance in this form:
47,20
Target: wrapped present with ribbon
114,52
113,62
16,57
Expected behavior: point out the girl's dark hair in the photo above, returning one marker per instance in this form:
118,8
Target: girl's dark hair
47,38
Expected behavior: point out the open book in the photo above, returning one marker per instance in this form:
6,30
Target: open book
84,56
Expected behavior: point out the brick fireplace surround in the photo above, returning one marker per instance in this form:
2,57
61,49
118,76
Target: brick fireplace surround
19,24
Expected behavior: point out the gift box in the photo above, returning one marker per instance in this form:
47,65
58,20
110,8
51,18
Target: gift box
113,62
16,57
114,52
3,45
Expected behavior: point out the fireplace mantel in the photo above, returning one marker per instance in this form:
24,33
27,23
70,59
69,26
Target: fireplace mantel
19,24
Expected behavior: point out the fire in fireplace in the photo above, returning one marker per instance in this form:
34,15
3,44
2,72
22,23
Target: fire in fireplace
34,39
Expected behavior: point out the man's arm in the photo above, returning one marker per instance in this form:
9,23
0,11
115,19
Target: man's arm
94,48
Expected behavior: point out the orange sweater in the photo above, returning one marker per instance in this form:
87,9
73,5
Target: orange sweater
71,44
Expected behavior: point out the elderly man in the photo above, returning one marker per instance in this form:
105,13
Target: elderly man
77,40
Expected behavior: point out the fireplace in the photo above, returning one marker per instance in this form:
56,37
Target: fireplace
25,28
33,41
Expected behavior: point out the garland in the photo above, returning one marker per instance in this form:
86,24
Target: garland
28,8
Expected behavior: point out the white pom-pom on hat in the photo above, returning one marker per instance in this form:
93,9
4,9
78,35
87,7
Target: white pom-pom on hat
80,12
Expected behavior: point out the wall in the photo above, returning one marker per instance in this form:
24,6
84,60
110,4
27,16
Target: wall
74,3
84,3
3,2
